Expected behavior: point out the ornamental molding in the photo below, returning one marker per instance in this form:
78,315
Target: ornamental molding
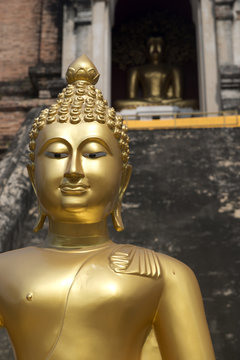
224,2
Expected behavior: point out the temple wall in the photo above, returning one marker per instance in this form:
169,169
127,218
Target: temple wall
40,38
184,200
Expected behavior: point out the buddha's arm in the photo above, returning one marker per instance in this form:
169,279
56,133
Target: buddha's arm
2,288
133,83
1,321
177,83
180,324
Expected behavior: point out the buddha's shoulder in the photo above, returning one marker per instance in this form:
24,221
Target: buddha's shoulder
135,260
17,257
131,259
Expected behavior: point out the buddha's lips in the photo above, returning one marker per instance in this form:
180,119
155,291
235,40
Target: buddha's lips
73,188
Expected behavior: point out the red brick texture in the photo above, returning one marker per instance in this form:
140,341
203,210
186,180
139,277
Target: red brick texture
19,29
30,33
12,114
51,27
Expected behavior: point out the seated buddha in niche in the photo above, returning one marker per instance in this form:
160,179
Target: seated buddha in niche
82,296
155,83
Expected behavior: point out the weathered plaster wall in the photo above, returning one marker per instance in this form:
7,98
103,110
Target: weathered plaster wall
184,200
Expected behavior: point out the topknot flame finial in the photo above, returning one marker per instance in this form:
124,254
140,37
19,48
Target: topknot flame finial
82,69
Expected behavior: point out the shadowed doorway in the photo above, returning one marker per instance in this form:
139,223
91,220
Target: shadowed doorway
138,20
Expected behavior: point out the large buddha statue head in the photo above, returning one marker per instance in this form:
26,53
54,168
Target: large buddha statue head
155,49
79,154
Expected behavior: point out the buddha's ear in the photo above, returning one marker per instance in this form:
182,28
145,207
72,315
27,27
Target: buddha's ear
126,176
30,169
41,215
116,214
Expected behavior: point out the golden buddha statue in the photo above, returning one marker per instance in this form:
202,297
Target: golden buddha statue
81,296
156,83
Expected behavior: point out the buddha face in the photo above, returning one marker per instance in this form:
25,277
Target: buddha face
155,48
78,170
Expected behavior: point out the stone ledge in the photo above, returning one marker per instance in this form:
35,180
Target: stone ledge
231,104
16,88
224,2
230,70
46,77
230,77
223,12
230,83
8,104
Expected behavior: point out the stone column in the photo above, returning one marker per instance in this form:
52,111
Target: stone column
87,30
207,55
236,33
77,36
224,20
228,27
101,44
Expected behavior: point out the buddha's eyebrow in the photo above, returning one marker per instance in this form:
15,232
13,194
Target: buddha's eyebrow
98,140
66,143
52,141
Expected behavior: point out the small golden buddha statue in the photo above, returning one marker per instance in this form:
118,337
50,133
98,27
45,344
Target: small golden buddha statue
81,296
156,83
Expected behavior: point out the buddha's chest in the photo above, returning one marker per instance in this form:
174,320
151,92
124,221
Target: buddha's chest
51,301
85,289
155,76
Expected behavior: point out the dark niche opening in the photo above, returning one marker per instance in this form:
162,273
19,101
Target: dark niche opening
135,22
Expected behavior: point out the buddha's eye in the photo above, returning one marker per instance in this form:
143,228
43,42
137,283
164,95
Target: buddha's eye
56,155
95,155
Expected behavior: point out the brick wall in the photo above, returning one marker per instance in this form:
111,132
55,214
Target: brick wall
50,49
20,25
12,114
30,32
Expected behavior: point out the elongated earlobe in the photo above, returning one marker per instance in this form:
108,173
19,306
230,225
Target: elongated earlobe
117,218
41,215
30,170
40,220
116,214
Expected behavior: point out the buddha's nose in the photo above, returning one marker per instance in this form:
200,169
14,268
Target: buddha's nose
74,171
73,176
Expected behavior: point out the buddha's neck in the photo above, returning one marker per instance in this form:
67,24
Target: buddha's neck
67,235
156,62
